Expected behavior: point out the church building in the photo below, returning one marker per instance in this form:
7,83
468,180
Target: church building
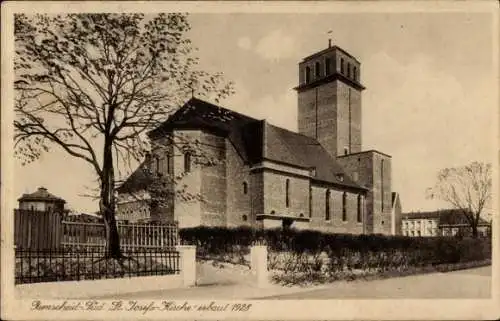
244,171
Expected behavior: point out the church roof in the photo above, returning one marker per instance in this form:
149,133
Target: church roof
41,194
254,140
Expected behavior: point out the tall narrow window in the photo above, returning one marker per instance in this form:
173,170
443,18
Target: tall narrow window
360,208
287,193
382,184
328,61
355,73
349,70
308,75
344,206
157,161
317,69
310,201
327,205
169,164
342,65
187,162
245,188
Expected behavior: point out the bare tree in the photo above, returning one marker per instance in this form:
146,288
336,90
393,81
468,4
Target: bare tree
466,188
94,84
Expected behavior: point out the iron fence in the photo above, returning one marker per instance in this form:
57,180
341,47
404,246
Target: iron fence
75,264
132,235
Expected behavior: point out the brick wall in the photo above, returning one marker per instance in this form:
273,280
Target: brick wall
162,156
275,194
213,180
348,106
187,212
238,202
365,167
382,206
318,105
336,223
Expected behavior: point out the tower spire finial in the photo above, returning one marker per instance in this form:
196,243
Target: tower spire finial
329,39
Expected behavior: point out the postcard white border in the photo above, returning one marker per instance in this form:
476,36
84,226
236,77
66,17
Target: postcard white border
400,309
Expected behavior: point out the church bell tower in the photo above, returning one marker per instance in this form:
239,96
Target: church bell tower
329,100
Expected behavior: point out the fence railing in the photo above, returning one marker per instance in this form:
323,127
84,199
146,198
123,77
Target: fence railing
132,235
69,264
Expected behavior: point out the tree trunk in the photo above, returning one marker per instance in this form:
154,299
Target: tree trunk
474,230
107,204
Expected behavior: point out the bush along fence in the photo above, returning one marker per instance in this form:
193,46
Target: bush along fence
51,249
302,256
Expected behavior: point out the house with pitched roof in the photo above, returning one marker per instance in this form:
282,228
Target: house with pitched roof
222,168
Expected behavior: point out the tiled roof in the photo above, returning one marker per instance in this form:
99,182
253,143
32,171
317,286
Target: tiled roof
446,217
40,195
291,148
255,141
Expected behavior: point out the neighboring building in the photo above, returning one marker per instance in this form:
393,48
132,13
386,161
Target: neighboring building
83,217
249,172
440,223
41,200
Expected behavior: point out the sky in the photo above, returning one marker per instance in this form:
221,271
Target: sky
430,98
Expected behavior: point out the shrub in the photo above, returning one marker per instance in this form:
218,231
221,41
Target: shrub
333,253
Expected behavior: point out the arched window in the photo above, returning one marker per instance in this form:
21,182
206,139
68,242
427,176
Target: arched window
327,205
187,162
245,188
308,75
287,193
344,206
360,208
327,66
317,69
349,70
342,65
355,73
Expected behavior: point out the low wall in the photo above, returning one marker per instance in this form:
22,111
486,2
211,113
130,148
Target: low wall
98,288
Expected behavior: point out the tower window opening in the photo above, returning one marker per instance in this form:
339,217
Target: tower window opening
354,73
344,206
349,70
342,66
308,75
327,66
327,205
245,187
317,69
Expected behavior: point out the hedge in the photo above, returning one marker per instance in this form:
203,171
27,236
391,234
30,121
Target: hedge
303,250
